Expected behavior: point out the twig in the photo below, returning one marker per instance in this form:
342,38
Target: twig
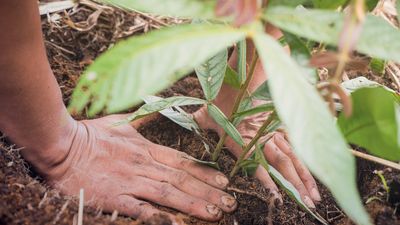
376,159
63,208
59,47
43,200
394,72
80,212
251,193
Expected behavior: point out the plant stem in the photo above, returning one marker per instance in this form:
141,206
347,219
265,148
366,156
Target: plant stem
238,100
253,141
376,159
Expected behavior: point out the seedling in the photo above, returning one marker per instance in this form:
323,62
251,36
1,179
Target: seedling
294,96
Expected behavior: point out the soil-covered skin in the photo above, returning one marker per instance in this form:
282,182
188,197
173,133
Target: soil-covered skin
25,199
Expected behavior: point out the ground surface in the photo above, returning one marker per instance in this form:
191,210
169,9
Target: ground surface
25,199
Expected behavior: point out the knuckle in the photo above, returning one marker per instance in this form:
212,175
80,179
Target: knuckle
299,186
182,177
282,159
139,158
165,190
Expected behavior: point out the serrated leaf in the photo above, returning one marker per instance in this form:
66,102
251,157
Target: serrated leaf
372,124
255,110
231,78
178,8
211,74
163,104
322,148
325,26
224,123
176,114
146,64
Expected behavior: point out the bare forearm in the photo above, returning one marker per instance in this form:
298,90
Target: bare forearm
32,113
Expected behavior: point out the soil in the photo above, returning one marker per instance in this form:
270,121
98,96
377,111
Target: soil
25,198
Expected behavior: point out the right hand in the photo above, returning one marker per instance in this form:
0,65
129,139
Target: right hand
120,170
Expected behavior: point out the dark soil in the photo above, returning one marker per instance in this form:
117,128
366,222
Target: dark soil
25,199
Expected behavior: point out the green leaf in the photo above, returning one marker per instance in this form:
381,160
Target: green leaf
292,192
398,10
178,8
211,74
163,104
262,92
249,165
328,4
377,66
176,114
146,64
255,110
242,64
290,3
326,26
231,78
206,163
311,128
298,48
372,124
371,4
361,82
301,54
259,158
245,104
222,121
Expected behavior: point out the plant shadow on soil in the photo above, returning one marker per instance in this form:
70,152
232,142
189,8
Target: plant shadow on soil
25,199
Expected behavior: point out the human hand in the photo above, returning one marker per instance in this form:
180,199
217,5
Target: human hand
277,152
120,170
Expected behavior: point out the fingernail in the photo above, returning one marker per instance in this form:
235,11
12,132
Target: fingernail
315,194
228,201
309,202
278,200
213,210
222,180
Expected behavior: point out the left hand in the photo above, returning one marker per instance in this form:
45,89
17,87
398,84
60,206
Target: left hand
277,151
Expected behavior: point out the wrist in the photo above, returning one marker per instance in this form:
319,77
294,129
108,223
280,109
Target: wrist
48,153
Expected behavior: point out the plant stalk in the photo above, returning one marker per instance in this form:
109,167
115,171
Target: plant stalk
238,100
376,159
253,141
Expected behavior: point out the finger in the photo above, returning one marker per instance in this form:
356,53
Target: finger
132,207
284,165
185,182
301,169
167,195
180,160
262,175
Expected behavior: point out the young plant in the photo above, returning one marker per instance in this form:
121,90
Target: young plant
293,94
